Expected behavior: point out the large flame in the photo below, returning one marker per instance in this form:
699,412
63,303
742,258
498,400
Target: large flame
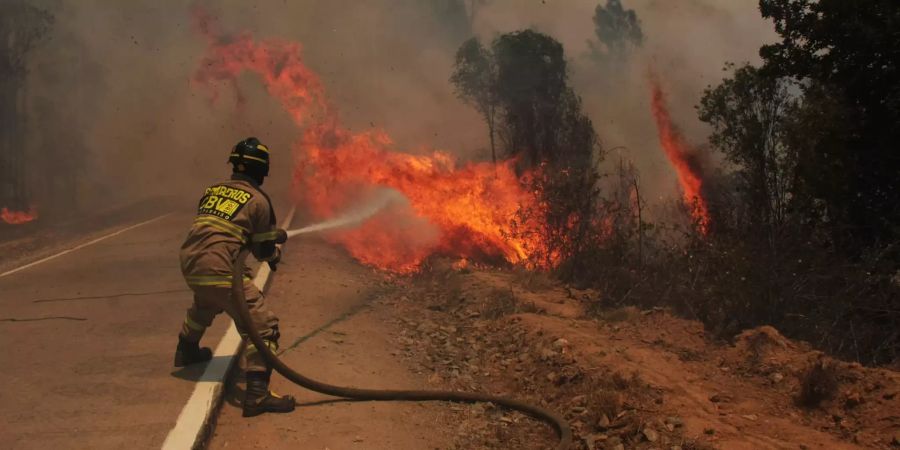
13,217
461,210
681,156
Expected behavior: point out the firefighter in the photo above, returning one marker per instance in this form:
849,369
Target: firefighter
231,214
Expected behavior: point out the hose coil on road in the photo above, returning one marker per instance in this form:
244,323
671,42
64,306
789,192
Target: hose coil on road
559,424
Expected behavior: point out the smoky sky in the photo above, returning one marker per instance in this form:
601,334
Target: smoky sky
118,74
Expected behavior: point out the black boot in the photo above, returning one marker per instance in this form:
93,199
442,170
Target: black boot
188,353
258,399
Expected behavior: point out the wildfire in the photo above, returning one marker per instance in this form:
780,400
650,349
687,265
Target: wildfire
18,217
460,265
463,210
683,159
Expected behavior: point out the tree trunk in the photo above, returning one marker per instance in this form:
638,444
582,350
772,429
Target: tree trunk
637,196
493,148
11,158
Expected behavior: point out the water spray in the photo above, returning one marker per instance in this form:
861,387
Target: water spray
356,214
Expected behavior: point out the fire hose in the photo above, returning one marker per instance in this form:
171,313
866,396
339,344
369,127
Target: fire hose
559,424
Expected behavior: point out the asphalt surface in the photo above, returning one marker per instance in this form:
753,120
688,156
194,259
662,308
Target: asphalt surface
87,340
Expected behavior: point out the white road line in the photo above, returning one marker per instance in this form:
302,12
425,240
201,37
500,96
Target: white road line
79,247
192,426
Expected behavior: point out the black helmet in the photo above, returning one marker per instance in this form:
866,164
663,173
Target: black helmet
250,157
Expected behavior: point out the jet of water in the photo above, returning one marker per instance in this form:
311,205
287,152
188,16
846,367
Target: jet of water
356,214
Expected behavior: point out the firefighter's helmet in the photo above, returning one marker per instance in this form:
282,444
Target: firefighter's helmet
250,156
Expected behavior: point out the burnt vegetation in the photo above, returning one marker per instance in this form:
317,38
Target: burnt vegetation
804,232
818,384
44,154
22,28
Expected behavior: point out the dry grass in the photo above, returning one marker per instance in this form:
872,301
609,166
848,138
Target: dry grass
616,315
818,384
533,281
503,302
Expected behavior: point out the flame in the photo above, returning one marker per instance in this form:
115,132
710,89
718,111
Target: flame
460,265
683,159
18,217
461,210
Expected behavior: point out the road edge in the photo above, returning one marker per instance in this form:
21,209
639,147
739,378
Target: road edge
82,245
197,419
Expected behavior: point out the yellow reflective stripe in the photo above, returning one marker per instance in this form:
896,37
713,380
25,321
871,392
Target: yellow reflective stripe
263,148
273,346
210,277
210,280
251,157
225,223
263,237
193,325
221,225
209,283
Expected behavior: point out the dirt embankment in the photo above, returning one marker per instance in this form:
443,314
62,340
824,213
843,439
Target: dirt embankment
628,378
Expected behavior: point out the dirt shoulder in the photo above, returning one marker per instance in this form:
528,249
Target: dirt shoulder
631,379
624,378
333,330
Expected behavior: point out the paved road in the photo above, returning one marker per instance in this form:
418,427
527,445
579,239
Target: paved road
99,375
87,339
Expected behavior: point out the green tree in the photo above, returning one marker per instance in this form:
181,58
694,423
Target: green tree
811,136
618,32
748,114
845,55
475,78
542,117
520,87
531,79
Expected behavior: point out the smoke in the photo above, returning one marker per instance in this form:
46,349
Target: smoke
683,159
375,202
686,43
110,90
115,77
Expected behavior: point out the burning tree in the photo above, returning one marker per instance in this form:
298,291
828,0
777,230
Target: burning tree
684,159
522,210
805,210
21,28
520,86
455,209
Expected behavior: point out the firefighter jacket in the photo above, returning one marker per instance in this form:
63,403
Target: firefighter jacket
230,215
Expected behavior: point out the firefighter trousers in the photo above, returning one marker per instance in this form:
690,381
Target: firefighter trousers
210,301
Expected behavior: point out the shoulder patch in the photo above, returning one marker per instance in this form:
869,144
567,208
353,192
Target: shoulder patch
223,201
